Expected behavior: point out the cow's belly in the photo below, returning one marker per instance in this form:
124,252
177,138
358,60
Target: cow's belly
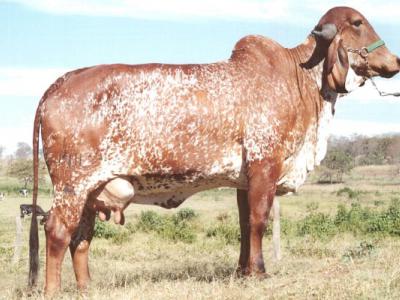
170,190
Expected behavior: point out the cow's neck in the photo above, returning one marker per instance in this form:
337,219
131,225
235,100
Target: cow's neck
309,71
309,65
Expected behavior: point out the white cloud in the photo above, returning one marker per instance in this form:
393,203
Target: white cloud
27,81
161,9
258,10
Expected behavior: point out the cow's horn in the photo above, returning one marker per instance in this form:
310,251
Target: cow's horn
328,31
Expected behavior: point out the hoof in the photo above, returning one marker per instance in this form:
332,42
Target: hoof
246,273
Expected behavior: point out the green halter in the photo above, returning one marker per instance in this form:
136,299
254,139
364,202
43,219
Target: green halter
364,51
374,46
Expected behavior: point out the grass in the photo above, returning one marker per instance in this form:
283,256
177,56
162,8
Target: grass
329,250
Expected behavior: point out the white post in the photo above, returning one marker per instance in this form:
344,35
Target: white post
18,240
276,230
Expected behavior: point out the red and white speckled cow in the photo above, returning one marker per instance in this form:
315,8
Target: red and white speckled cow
156,134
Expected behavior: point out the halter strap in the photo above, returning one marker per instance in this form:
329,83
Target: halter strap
374,46
364,51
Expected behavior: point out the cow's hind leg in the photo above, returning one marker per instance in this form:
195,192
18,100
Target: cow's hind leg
63,221
79,247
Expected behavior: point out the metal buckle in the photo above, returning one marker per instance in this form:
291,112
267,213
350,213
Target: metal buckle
364,52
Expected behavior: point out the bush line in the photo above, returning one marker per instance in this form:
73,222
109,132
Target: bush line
180,226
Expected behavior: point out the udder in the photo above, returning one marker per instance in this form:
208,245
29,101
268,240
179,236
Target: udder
114,197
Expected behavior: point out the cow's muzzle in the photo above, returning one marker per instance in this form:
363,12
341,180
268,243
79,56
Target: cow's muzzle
390,67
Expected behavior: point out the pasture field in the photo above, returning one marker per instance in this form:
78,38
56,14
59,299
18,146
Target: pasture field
339,241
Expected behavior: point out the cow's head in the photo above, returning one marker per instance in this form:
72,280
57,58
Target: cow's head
353,51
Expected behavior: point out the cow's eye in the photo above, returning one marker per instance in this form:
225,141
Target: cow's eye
357,23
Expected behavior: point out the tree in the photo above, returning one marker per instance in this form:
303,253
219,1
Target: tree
1,151
24,151
336,163
23,170
393,151
377,150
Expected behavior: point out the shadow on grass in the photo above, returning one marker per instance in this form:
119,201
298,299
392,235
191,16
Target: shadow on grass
205,273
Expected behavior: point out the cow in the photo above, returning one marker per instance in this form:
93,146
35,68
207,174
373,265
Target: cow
23,193
27,210
157,133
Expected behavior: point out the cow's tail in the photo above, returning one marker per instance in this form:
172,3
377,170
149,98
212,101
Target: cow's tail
33,234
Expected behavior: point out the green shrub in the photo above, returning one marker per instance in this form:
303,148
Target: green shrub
341,215
131,227
175,227
179,231
392,216
317,225
105,230
351,194
226,229
288,227
150,221
185,214
377,223
363,220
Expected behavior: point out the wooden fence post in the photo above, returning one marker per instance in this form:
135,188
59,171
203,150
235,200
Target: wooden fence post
18,241
276,230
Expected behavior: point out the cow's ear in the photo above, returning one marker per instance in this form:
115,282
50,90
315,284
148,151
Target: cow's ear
336,66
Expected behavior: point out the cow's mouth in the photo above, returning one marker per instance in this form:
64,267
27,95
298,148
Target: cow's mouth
389,74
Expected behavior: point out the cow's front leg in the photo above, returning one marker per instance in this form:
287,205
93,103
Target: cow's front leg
262,178
79,248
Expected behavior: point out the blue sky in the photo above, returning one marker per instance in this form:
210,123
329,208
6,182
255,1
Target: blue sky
42,39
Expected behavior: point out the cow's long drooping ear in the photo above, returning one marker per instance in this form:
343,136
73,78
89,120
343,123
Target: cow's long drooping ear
336,66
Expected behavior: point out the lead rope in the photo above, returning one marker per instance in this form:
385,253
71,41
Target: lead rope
383,94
